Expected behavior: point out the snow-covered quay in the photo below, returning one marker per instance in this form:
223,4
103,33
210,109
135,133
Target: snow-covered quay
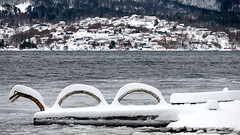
199,112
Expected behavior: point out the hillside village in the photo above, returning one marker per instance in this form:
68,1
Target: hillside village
134,32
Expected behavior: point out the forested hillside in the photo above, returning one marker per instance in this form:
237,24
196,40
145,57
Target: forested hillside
201,12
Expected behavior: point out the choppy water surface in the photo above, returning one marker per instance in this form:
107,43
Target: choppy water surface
50,72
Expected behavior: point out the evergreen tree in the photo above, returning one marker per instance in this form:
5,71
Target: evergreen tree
27,45
112,45
2,43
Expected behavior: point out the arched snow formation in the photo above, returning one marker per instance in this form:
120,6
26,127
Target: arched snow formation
138,87
80,89
29,93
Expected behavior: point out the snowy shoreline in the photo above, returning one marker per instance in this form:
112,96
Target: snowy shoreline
163,50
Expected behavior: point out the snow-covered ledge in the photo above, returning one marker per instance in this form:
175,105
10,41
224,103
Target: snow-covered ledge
203,97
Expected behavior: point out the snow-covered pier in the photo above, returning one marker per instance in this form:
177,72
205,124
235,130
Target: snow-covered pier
217,110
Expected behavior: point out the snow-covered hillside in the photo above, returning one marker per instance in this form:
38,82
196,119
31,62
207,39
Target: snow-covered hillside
14,2
205,4
125,33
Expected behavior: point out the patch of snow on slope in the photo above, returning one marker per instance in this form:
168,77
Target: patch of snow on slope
23,6
1,8
205,4
23,28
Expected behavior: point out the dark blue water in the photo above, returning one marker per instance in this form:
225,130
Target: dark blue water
50,72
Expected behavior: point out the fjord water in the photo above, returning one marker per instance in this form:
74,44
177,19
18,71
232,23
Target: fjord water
50,72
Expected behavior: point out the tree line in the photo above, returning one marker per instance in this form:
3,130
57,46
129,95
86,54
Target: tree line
74,10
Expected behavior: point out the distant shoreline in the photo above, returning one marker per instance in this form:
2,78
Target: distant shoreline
169,50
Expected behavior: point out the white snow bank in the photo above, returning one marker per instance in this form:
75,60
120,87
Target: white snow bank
227,117
203,97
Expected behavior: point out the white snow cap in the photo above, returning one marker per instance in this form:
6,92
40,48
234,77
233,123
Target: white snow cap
26,91
203,97
225,89
80,88
135,87
212,105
